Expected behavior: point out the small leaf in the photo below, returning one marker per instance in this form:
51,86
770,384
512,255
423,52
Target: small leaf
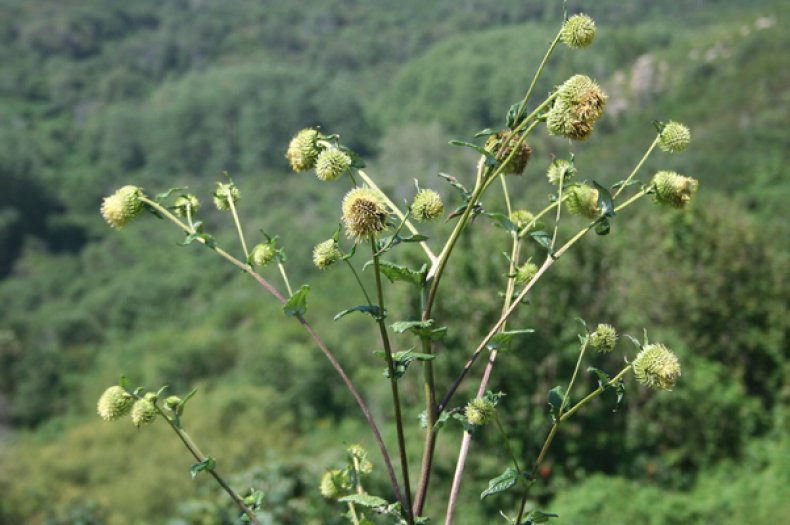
396,272
207,239
502,341
603,377
490,159
485,133
542,238
159,197
350,254
634,340
603,227
536,516
501,483
555,401
605,203
296,305
457,185
373,310
514,116
207,464
421,329
503,220
365,500
414,238
402,360
622,184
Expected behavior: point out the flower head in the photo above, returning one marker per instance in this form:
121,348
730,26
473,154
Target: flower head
583,200
303,150
326,253
604,338
674,137
578,31
519,161
364,213
657,367
480,411
331,164
521,218
526,272
225,194
560,169
186,203
114,403
262,254
579,103
123,206
427,206
144,410
673,189
360,456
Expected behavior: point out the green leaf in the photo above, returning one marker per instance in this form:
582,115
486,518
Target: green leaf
396,272
207,239
503,340
514,116
501,483
402,360
457,185
542,238
603,377
207,464
373,310
503,220
350,254
536,516
603,227
159,197
485,133
605,203
490,159
296,305
555,401
420,328
365,500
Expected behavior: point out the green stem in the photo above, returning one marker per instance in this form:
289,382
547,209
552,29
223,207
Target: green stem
559,211
526,229
238,227
359,282
393,385
285,277
510,451
637,168
539,72
573,377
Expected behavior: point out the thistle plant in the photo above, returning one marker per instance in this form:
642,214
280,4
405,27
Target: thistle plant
374,232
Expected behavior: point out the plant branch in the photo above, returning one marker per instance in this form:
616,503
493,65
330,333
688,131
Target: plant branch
637,167
235,214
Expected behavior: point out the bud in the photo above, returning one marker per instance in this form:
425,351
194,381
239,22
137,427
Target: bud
332,484
325,254
184,203
427,206
604,338
525,273
364,213
560,169
563,122
331,164
144,410
114,403
674,137
578,31
673,189
583,200
480,411
358,453
172,402
303,150
584,97
657,367
120,208
262,254
224,193
519,161
521,218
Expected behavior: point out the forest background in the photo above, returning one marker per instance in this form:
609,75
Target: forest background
97,94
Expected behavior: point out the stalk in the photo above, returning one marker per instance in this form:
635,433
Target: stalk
637,168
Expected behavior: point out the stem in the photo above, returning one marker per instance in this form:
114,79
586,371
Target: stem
553,432
544,211
285,277
311,332
427,249
238,227
523,104
199,456
573,377
638,166
510,451
429,445
359,282
559,211
404,463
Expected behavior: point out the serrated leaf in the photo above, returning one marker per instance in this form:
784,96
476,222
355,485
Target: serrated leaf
365,500
296,305
502,220
421,329
502,341
159,197
207,464
402,360
373,310
542,238
603,377
490,159
555,401
501,483
396,272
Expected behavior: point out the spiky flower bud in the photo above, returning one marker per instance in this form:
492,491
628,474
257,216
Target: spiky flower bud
578,31
262,254
186,202
526,272
579,103
604,338
480,411
674,137
115,402
225,193
521,218
657,367
120,208
144,410
673,189
331,164
172,402
427,206
560,169
303,150
332,484
583,200
360,456
519,161
326,253
364,213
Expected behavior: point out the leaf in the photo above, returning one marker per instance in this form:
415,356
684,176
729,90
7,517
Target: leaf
421,329
457,185
542,238
396,272
605,203
296,305
619,389
603,377
402,360
514,116
485,133
159,197
634,340
555,401
350,254
414,238
603,227
372,310
536,516
207,239
622,183
501,483
207,464
365,500
503,220
490,159
502,341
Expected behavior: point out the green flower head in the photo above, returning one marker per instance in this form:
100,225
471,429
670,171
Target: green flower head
674,137
331,164
364,213
225,194
262,254
578,31
560,169
303,150
480,411
333,484
114,403
144,410
583,200
325,254
657,367
123,206
427,206
673,189
186,203
604,338
521,218
525,273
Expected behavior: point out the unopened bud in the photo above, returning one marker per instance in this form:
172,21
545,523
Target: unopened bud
262,254
480,411
521,218
144,410
673,189
224,194
578,31
303,150
114,403
604,338
525,273
657,367
427,206
560,169
186,205
331,164
325,254
583,200
123,206
674,137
